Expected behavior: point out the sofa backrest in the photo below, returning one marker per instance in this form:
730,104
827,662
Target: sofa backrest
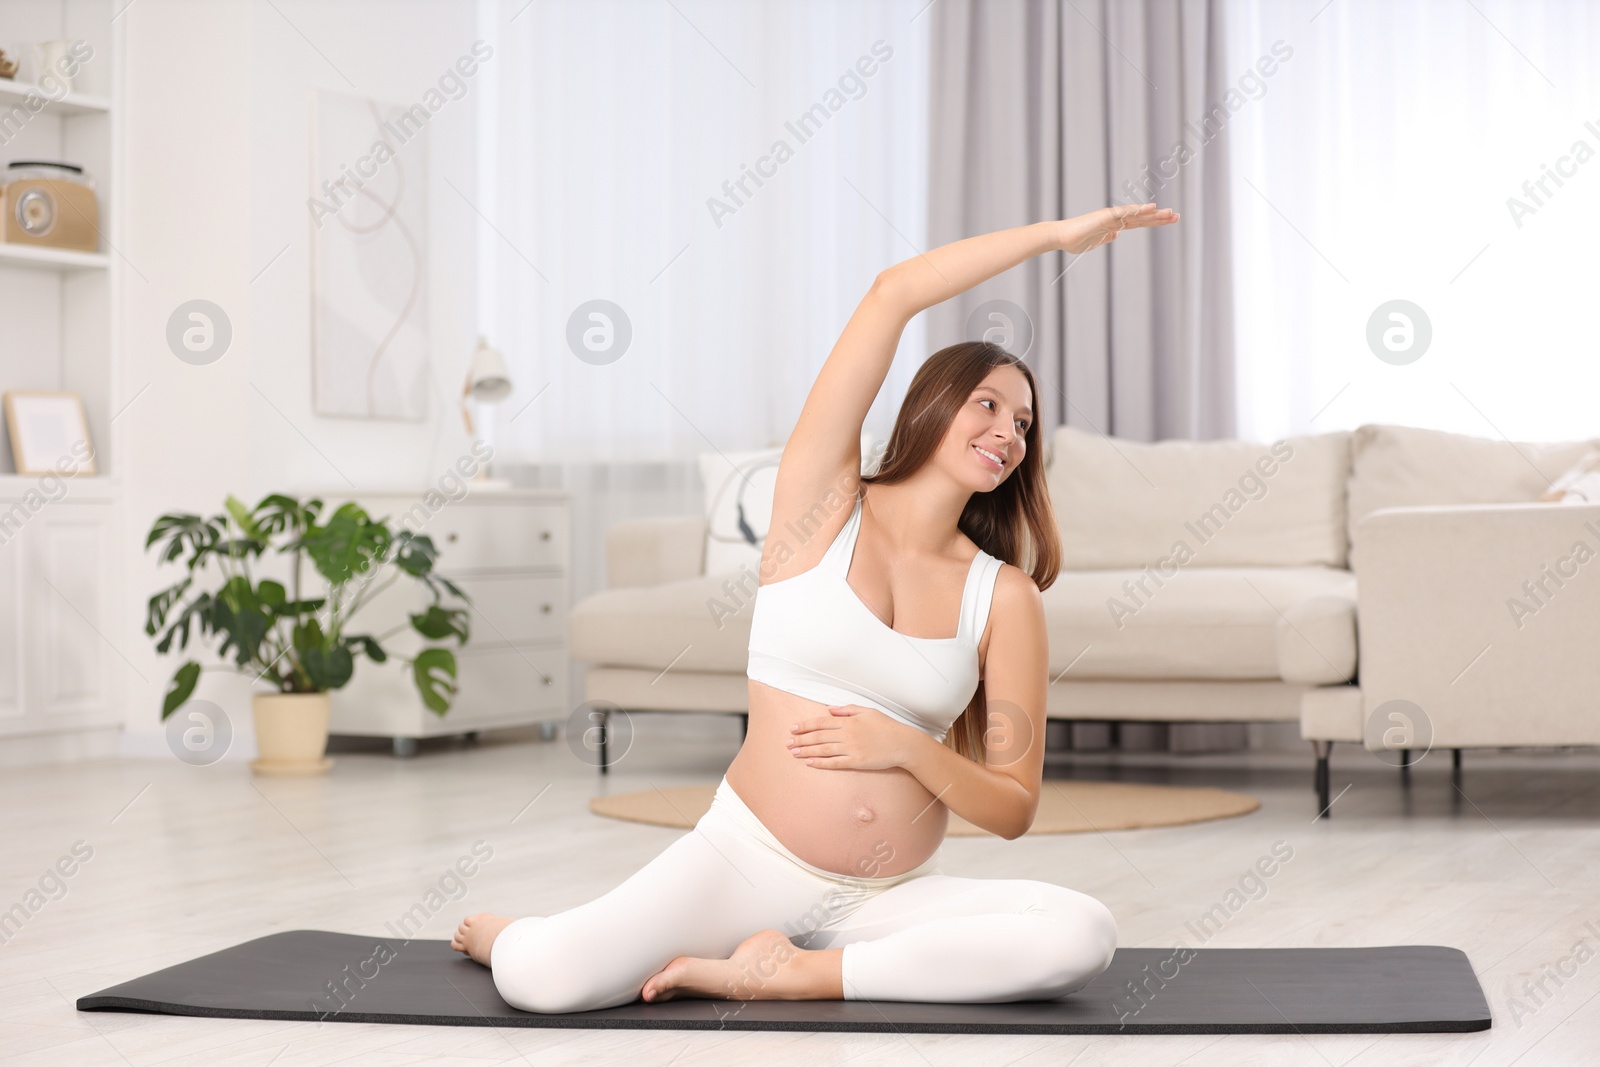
1125,504
1406,466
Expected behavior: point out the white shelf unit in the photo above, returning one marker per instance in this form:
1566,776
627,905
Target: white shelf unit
14,92
59,587
59,305
27,257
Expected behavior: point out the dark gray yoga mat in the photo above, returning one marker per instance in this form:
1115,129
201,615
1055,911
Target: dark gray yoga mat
1382,990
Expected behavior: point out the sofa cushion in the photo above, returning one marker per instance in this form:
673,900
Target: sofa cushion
740,485
1218,503
700,623
1317,640
737,484
1407,466
1203,622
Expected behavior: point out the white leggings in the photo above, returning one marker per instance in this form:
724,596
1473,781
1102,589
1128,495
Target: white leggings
921,935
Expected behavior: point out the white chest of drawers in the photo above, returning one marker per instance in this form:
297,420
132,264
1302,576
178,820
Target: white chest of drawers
510,552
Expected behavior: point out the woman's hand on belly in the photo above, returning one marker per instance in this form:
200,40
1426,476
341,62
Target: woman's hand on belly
852,738
837,820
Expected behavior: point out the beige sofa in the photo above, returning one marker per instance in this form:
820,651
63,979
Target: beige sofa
1206,582
1478,607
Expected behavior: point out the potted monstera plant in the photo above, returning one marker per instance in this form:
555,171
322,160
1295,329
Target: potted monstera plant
304,643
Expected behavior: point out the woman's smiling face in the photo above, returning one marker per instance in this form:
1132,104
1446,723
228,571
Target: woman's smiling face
994,420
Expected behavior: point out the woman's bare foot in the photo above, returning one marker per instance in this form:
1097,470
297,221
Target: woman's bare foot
765,966
475,936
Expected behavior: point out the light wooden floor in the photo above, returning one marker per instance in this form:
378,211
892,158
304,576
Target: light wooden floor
190,860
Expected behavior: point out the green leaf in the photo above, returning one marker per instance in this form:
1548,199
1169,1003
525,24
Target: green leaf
237,612
182,530
307,634
449,586
170,524
416,553
440,622
327,665
272,595
434,670
181,689
162,602
328,668
369,645
280,514
199,608
245,520
346,545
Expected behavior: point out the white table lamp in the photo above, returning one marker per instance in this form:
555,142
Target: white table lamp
488,382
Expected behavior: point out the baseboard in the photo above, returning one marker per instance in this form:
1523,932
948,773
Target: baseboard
72,746
152,744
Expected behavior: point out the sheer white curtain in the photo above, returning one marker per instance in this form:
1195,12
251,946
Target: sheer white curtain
608,129
605,127
1377,165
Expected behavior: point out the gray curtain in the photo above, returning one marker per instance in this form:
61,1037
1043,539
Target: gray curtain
1044,109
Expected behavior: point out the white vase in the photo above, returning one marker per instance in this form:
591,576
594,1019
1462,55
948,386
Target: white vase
291,733
50,60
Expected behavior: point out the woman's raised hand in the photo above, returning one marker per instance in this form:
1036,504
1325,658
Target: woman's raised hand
1084,232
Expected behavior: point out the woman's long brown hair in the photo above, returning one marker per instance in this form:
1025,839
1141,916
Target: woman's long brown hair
1013,522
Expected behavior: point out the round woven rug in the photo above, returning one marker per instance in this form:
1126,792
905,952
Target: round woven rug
1065,807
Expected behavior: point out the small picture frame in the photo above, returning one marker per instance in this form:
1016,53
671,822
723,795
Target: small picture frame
49,433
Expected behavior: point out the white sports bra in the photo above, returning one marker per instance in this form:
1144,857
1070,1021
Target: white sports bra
812,636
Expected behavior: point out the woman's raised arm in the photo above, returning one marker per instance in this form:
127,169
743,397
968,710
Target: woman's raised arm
825,445
922,281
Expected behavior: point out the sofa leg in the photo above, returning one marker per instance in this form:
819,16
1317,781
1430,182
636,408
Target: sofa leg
605,728
1405,768
744,724
1455,767
1320,777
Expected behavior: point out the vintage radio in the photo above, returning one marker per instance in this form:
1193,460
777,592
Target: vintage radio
49,204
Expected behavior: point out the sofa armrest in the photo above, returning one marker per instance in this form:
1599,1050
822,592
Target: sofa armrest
655,550
1486,617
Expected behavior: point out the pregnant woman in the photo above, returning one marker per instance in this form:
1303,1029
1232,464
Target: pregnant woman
897,672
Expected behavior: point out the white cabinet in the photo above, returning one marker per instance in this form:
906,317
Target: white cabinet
56,592
12,710
510,552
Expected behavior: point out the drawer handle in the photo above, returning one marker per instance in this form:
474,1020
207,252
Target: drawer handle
545,608
544,535
549,680
452,537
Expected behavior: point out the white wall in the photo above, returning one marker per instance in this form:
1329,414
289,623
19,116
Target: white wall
216,165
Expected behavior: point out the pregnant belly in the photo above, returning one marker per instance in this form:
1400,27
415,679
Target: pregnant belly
870,824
